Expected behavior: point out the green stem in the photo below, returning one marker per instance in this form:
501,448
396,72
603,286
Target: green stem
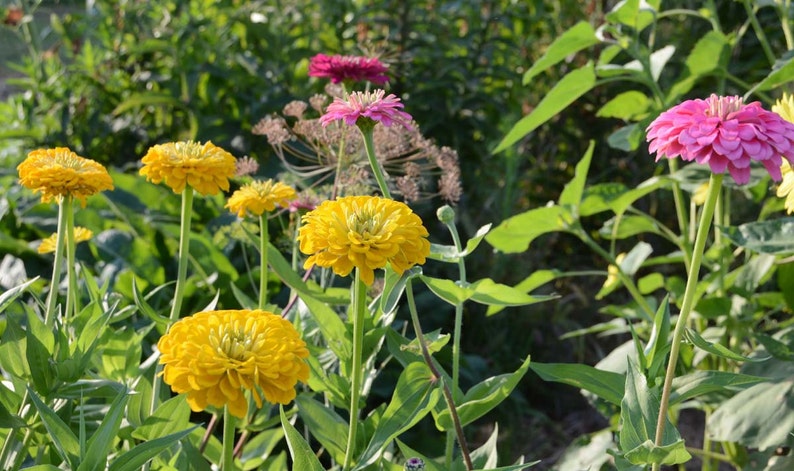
359,307
72,301
453,411
57,268
377,170
785,24
227,460
715,186
759,32
264,238
680,211
184,248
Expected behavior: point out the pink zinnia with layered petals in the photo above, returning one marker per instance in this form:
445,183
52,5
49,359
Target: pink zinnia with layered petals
371,105
725,134
354,68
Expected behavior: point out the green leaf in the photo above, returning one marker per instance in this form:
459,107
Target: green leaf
325,425
759,417
331,326
488,292
448,290
710,54
482,398
139,100
658,345
632,13
776,348
701,382
695,339
144,307
450,254
567,90
782,72
604,384
628,226
639,411
100,444
415,395
785,281
628,106
615,197
772,237
13,293
515,234
171,416
9,420
572,193
141,454
393,287
303,457
580,36
40,347
65,442
290,277
627,138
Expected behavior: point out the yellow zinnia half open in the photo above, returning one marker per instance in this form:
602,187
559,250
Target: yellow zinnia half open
59,172
260,196
205,167
215,356
364,232
81,234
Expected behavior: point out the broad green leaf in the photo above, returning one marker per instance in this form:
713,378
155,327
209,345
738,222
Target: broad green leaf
65,442
650,283
615,196
628,106
100,444
580,36
587,452
772,237
393,287
759,417
782,72
785,281
284,270
567,90
139,100
415,395
331,326
700,382
40,347
572,193
628,226
141,454
448,290
776,348
659,59
710,54
325,425
716,349
515,234
636,14
482,398
633,260
488,292
627,138
170,417
9,420
713,307
604,384
639,411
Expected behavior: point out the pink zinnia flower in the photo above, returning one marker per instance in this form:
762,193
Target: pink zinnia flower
723,133
370,105
354,68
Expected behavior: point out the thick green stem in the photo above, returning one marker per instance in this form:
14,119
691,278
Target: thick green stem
72,300
356,369
453,411
57,268
715,186
264,238
377,170
227,460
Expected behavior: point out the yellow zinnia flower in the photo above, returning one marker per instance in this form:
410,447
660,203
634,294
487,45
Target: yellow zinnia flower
785,108
260,196
205,167
365,232
214,356
59,172
81,234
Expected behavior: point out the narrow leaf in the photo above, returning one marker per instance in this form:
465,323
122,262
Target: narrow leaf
100,444
142,453
695,339
572,193
303,457
65,442
580,36
604,384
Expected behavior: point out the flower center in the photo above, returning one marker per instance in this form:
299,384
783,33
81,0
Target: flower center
364,223
722,106
233,341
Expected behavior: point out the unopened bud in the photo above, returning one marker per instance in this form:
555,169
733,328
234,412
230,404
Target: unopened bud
446,214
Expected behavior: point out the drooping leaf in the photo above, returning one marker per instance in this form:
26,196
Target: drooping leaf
604,384
772,237
142,453
578,37
567,90
64,440
700,382
516,233
284,270
695,339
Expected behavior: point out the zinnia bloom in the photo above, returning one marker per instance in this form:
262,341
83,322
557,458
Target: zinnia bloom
785,108
215,356
260,196
205,167
81,234
348,68
369,107
59,172
364,232
725,134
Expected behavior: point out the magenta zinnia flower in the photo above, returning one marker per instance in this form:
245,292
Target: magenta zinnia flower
725,134
370,105
353,68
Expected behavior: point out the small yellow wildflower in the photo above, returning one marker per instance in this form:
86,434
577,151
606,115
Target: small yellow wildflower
59,172
215,356
260,196
364,232
81,234
205,167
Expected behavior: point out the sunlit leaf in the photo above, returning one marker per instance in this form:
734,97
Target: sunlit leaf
578,37
515,234
604,384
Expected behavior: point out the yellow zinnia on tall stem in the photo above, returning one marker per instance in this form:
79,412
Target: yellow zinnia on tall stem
61,175
258,198
785,108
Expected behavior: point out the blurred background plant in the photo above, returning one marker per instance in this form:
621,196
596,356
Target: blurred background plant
109,79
